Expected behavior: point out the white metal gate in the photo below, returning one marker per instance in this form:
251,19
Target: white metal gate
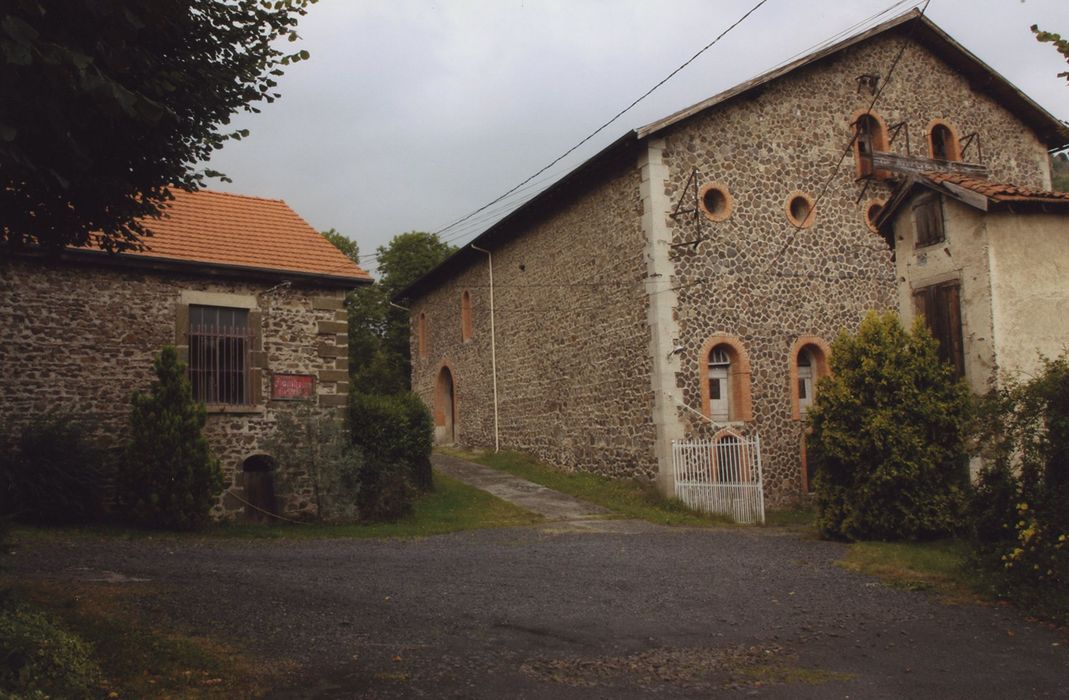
722,475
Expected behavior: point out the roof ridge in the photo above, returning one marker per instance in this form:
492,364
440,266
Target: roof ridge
236,195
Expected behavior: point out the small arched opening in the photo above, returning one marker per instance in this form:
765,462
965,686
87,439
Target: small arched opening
445,408
258,471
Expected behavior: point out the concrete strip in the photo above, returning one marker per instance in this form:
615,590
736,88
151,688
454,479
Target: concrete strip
550,504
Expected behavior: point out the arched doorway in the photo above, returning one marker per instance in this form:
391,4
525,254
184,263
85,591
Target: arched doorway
259,475
445,409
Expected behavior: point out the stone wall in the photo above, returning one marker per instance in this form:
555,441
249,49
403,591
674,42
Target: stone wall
756,277
79,339
573,368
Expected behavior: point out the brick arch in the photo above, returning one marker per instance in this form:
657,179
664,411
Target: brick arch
441,402
741,404
879,141
954,147
820,367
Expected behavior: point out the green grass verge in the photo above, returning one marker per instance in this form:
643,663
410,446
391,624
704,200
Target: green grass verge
451,506
629,498
936,566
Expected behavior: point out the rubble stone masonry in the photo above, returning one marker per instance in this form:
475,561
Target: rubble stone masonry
573,339
79,339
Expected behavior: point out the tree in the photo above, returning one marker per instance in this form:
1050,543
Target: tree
167,478
1062,45
343,243
888,436
108,103
379,357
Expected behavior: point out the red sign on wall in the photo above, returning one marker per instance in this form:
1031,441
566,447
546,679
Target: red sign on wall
293,387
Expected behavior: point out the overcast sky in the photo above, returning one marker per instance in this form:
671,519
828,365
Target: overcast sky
412,113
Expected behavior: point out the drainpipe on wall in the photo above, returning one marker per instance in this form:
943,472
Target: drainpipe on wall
493,340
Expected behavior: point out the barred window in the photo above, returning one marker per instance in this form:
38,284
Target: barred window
219,345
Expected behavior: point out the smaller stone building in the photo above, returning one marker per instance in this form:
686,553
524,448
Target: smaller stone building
248,292
987,265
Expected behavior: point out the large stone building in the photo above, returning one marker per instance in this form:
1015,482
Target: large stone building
690,277
247,291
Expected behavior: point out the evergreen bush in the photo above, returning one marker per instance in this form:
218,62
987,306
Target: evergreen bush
394,429
888,436
51,474
396,435
167,478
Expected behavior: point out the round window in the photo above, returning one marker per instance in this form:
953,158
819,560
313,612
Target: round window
715,201
800,209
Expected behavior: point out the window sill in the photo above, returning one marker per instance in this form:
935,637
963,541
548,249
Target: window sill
215,409
927,246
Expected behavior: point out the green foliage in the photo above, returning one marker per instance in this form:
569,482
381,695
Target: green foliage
1062,45
379,357
1021,506
887,439
343,243
311,448
167,478
52,475
1059,168
396,435
41,659
107,103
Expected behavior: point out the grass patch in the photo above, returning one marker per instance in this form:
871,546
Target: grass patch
452,506
630,498
936,566
799,517
137,660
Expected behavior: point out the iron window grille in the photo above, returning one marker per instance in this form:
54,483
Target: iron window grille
220,343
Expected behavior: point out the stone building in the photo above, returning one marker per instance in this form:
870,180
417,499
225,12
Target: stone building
689,278
248,292
987,265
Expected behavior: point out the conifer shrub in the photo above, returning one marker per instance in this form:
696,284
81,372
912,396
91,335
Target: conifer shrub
888,436
167,477
396,435
1020,510
51,473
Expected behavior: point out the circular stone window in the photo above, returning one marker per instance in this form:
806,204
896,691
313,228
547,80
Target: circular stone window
800,210
872,210
715,201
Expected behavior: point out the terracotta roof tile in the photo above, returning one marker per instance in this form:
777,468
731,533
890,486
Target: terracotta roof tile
230,229
999,192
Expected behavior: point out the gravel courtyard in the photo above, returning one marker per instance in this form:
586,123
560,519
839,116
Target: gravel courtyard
611,609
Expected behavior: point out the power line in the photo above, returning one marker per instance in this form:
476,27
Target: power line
608,123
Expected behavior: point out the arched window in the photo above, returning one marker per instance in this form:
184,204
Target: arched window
870,136
943,141
725,379
809,363
421,334
465,316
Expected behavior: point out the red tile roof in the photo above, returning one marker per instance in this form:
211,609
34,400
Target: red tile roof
999,192
239,230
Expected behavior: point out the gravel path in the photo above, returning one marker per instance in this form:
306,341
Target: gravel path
532,613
